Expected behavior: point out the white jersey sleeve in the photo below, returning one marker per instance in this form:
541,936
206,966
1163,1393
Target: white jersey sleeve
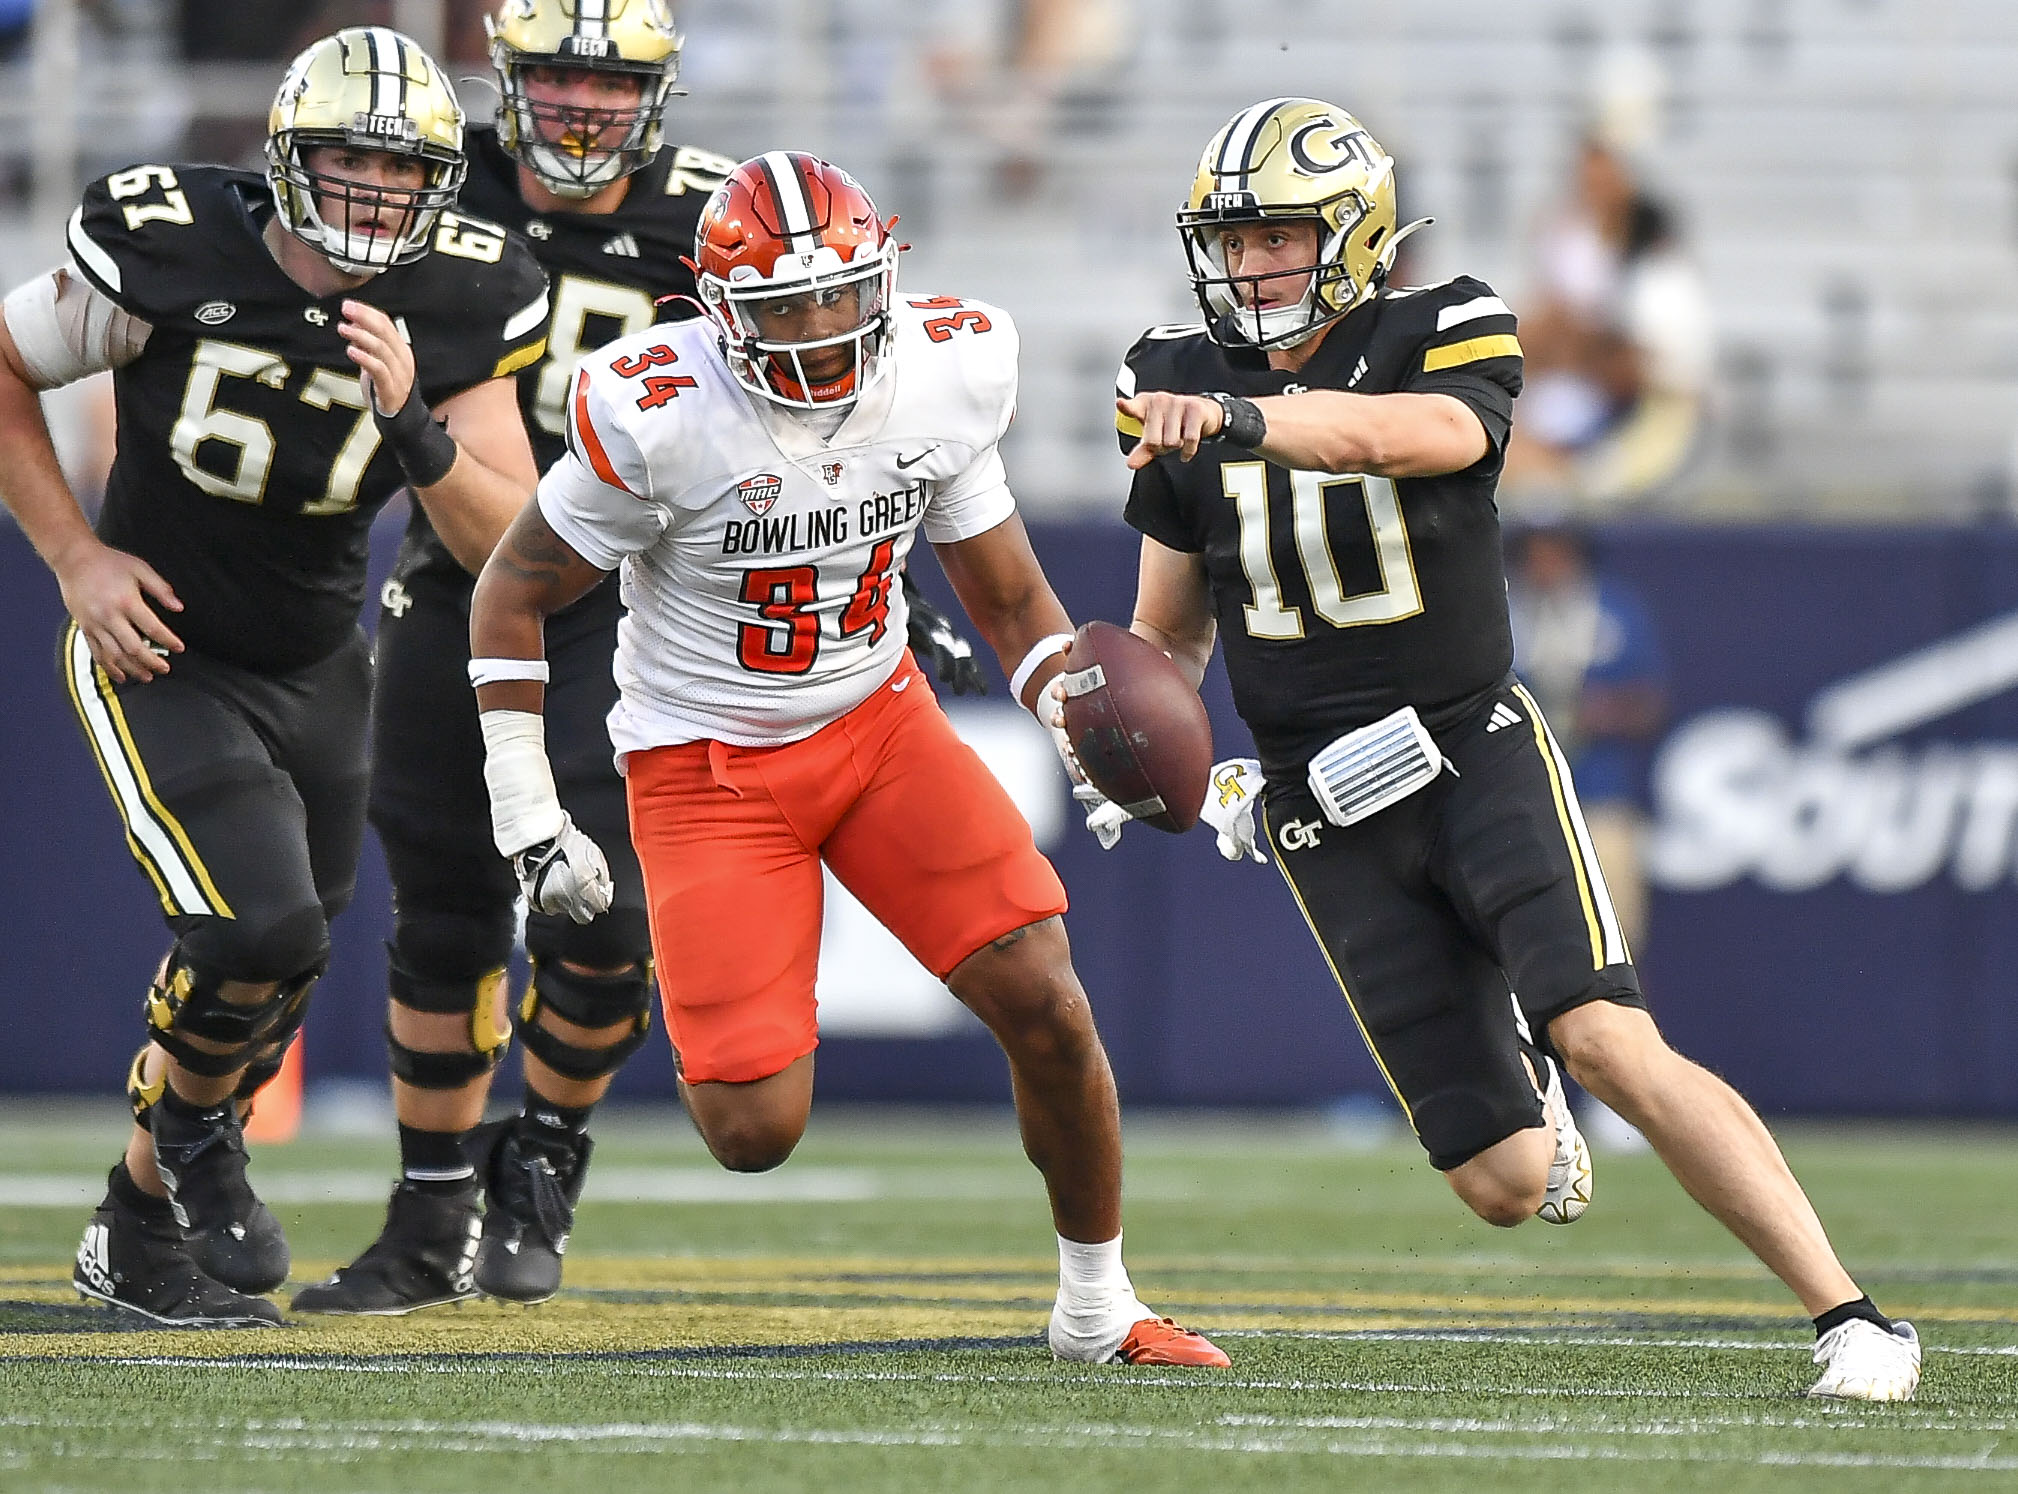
977,498
598,496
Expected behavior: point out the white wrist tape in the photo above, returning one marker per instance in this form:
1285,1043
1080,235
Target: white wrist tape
493,671
524,807
1041,650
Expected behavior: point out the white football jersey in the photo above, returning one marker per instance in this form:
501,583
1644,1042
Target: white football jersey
760,560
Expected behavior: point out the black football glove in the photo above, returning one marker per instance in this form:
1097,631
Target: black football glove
933,636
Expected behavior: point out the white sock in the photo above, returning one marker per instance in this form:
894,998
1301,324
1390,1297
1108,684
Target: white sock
1097,1304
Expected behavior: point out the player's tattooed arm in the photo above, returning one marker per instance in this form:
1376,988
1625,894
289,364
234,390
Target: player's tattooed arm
532,574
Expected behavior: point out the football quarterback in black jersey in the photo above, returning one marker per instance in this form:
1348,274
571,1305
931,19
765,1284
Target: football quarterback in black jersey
1313,475
281,347
576,162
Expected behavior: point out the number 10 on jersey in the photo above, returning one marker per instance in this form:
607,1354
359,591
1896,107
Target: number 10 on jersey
1267,616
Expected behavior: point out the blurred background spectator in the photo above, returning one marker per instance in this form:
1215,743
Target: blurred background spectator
1616,328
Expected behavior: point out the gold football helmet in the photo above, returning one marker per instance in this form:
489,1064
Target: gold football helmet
577,150
365,88
1292,159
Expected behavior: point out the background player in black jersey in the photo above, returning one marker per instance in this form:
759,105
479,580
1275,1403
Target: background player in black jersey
259,330
576,163
1314,472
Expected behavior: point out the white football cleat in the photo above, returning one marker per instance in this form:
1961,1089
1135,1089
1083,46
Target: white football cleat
1862,1362
1569,1190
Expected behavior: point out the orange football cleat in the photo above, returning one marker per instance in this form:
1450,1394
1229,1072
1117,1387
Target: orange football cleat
1161,1341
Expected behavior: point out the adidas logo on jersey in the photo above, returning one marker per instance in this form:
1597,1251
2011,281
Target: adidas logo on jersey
1358,373
1503,715
624,245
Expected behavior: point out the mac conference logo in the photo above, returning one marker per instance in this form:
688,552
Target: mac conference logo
1736,796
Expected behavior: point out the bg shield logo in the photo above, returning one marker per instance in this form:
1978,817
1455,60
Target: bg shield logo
1737,797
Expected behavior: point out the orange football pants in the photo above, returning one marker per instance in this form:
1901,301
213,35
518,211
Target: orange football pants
731,840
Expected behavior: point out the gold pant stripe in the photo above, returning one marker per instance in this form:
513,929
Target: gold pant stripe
1344,990
1608,940
155,836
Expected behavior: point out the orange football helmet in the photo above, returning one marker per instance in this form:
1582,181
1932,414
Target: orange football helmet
785,225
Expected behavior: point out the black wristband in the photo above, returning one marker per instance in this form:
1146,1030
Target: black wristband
1241,421
424,449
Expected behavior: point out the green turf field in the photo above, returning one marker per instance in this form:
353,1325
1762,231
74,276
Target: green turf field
869,1317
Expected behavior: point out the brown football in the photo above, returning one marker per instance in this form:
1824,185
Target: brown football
1138,727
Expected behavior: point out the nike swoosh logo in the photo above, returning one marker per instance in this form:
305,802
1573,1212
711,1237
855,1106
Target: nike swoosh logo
902,685
904,463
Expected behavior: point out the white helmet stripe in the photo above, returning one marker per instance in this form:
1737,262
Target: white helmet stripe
795,208
384,48
592,17
1240,138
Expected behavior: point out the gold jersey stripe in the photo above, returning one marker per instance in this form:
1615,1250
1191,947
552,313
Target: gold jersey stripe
520,358
1557,788
1472,350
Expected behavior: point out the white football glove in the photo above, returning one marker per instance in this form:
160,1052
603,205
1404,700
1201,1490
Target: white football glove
567,874
1232,794
559,868
1103,816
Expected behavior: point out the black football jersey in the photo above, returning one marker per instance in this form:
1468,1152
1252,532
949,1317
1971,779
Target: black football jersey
1343,598
248,466
607,271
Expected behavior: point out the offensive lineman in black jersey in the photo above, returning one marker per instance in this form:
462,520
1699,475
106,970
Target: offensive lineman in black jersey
258,329
576,164
1314,470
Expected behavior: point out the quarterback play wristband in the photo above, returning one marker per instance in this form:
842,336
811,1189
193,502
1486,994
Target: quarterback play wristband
524,807
425,450
1041,650
1241,422
496,671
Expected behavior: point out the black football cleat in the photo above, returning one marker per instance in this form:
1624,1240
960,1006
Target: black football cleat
133,1257
422,1258
531,1189
230,1233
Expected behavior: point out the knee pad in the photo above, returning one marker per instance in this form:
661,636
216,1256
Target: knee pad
141,1092
431,941
477,1000
587,1001
1455,1125
188,1002
247,949
610,941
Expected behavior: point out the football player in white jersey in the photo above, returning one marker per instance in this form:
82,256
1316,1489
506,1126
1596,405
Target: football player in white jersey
759,475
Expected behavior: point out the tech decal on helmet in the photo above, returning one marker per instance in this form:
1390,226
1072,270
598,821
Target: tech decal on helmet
1291,159
785,225
365,88
577,150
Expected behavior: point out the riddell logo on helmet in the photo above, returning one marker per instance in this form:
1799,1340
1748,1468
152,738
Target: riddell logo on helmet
760,492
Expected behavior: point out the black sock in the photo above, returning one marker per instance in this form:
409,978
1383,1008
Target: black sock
1863,1308
434,1161
129,1196
192,1117
543,1120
